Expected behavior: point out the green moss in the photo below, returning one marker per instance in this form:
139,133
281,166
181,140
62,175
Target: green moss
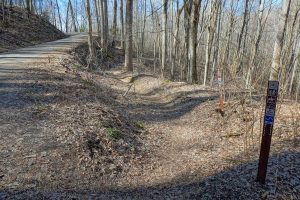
140,125
113,133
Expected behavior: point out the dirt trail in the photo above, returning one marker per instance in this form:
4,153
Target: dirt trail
188,155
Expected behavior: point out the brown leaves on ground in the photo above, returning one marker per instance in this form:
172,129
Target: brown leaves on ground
21,29
88,137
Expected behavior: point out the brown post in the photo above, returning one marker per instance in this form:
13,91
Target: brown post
270,109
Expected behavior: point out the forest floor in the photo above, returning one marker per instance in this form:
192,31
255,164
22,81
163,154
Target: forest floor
69,133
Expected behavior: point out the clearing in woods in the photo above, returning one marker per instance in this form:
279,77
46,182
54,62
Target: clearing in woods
70,133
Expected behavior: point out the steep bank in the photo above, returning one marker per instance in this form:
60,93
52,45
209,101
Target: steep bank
20,29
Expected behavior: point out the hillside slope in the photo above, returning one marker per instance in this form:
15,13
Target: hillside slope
20,30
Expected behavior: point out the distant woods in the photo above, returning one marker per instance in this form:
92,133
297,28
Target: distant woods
246,42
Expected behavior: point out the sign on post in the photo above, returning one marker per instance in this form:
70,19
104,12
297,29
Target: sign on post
269,116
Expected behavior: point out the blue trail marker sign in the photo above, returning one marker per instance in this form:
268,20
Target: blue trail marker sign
270,109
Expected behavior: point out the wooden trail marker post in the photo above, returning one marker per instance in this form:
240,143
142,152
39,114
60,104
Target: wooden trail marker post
270,109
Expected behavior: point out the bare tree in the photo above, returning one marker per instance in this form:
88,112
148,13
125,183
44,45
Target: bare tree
175,41
114,28
187,13
241,35
274,74
90,34
164,36
255,48
194,19
210,36
104,24
59,15
73,16
122,23
128,35
97,18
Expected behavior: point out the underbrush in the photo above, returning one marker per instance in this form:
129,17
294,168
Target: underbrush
105,60
81,117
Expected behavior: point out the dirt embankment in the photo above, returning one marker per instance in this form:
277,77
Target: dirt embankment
20,29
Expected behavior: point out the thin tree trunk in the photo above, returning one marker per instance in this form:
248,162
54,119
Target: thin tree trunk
114,29
164,36
122,23
239,53
256,45
59,16
90,32
104,20
226,54
216,43
128,35
298,84
210,36
97,18
73,16
67,18
175,40
187,14
274,74
296,63
143,30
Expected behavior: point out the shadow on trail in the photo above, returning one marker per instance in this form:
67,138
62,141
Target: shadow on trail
39,86
234,183
237,182
177,107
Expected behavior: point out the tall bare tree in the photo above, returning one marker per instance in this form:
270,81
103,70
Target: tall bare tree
122,24
164,44
73,16
97,17
128,35
255,48
104,24
275,68
194,19
114,28
59,15
90,34
210,36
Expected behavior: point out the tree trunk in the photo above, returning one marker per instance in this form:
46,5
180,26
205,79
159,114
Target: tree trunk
114,29
97,18
175,40
73,16
210,36
67,18
274,74
294,71
128,35
122,23
59,16
225,60
143,30
256,45
216,43
164,36
187,14
194,19
90,34
239,53
104,20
